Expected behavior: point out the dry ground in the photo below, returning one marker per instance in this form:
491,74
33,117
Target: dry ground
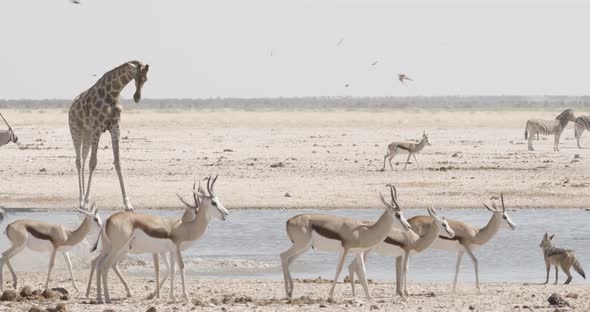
330,159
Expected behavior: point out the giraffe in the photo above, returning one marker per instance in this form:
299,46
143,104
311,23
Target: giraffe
97,110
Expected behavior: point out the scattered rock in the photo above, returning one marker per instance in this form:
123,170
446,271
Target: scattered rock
109,310
471,307
568,295
577,156
287,194
51,294
63,293
374,307
323,306
151,309
431,294
228,150
26,291
277,165
9,295
457,154
524,306
36,309
556,300
42,170
60,307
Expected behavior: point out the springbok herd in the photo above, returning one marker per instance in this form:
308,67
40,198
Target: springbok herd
98,109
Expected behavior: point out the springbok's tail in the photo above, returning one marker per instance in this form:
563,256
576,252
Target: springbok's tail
95,246
526,131
578,267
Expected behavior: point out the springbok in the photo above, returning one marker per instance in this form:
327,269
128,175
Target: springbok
127,230
411,148
467,237
188,216
402,245
345,235
43,237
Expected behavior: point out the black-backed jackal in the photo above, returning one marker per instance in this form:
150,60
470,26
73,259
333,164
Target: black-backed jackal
559,257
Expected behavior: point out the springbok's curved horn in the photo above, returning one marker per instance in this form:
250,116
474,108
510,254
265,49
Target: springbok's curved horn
213,185
209,185
383,200
184,201
195,194
502,199
393,191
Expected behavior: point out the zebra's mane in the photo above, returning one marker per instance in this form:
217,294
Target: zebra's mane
566,113
565,117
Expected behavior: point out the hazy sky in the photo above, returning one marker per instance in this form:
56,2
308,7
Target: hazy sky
197,49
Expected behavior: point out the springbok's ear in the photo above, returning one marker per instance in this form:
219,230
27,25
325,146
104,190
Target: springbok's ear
94,208
551,237
82,211
488,207
184,202
146,68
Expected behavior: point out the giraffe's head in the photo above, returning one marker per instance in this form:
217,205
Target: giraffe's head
140,76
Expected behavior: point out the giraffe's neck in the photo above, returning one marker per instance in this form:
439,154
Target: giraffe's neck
114,81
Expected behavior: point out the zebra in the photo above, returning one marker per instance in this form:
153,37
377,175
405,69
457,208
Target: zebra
548,127
582,123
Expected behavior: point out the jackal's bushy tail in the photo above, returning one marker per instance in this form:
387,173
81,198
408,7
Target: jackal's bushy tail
578,267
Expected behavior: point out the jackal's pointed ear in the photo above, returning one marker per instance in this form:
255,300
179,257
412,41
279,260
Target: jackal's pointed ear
551,237
546,235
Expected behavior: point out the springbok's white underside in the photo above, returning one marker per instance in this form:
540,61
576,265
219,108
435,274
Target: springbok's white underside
143,243
325,244
443,244
42,245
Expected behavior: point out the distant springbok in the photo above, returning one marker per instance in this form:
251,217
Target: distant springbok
403,244
548,127
467,237
343,235
43,237
581,123
411,148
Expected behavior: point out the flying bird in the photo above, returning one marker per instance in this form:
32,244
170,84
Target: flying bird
347,85
340,41
374,63
75,1
403,77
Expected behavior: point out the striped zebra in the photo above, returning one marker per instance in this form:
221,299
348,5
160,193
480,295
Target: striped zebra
548,127
582,123
7,136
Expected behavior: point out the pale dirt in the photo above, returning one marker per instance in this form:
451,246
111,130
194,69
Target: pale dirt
331,160
268,295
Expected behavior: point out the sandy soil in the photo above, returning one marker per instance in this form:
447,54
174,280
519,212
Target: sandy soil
330,159
267,295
